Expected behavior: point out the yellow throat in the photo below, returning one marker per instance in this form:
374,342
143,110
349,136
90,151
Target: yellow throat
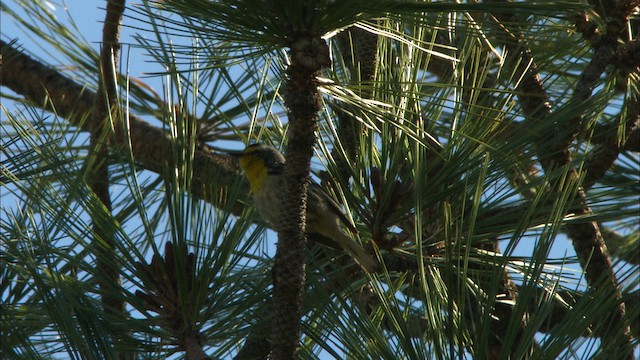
255,171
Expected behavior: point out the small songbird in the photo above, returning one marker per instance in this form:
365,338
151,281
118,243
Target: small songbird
263,166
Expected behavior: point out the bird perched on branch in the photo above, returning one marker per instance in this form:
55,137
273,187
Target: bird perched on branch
263,166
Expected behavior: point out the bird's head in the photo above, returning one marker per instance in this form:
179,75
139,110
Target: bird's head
259,161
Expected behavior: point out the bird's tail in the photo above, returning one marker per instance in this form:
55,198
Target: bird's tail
357,252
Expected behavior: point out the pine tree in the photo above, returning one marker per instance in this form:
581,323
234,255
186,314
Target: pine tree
464,140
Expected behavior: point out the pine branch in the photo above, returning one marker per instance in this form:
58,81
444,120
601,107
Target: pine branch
603,132
554,154
213,174
257,344
105,113
170,290
302,99
602,158
359,50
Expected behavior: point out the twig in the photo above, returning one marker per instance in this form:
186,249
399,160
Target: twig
105,112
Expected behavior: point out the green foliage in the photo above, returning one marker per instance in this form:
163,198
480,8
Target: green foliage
439,177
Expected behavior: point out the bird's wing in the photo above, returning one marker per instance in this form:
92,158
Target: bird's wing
321,195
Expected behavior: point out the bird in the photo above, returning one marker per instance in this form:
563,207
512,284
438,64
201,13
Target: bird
263,166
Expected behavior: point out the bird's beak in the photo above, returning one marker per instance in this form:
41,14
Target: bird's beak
236,153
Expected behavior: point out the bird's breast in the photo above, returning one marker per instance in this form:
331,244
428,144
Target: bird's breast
267,199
